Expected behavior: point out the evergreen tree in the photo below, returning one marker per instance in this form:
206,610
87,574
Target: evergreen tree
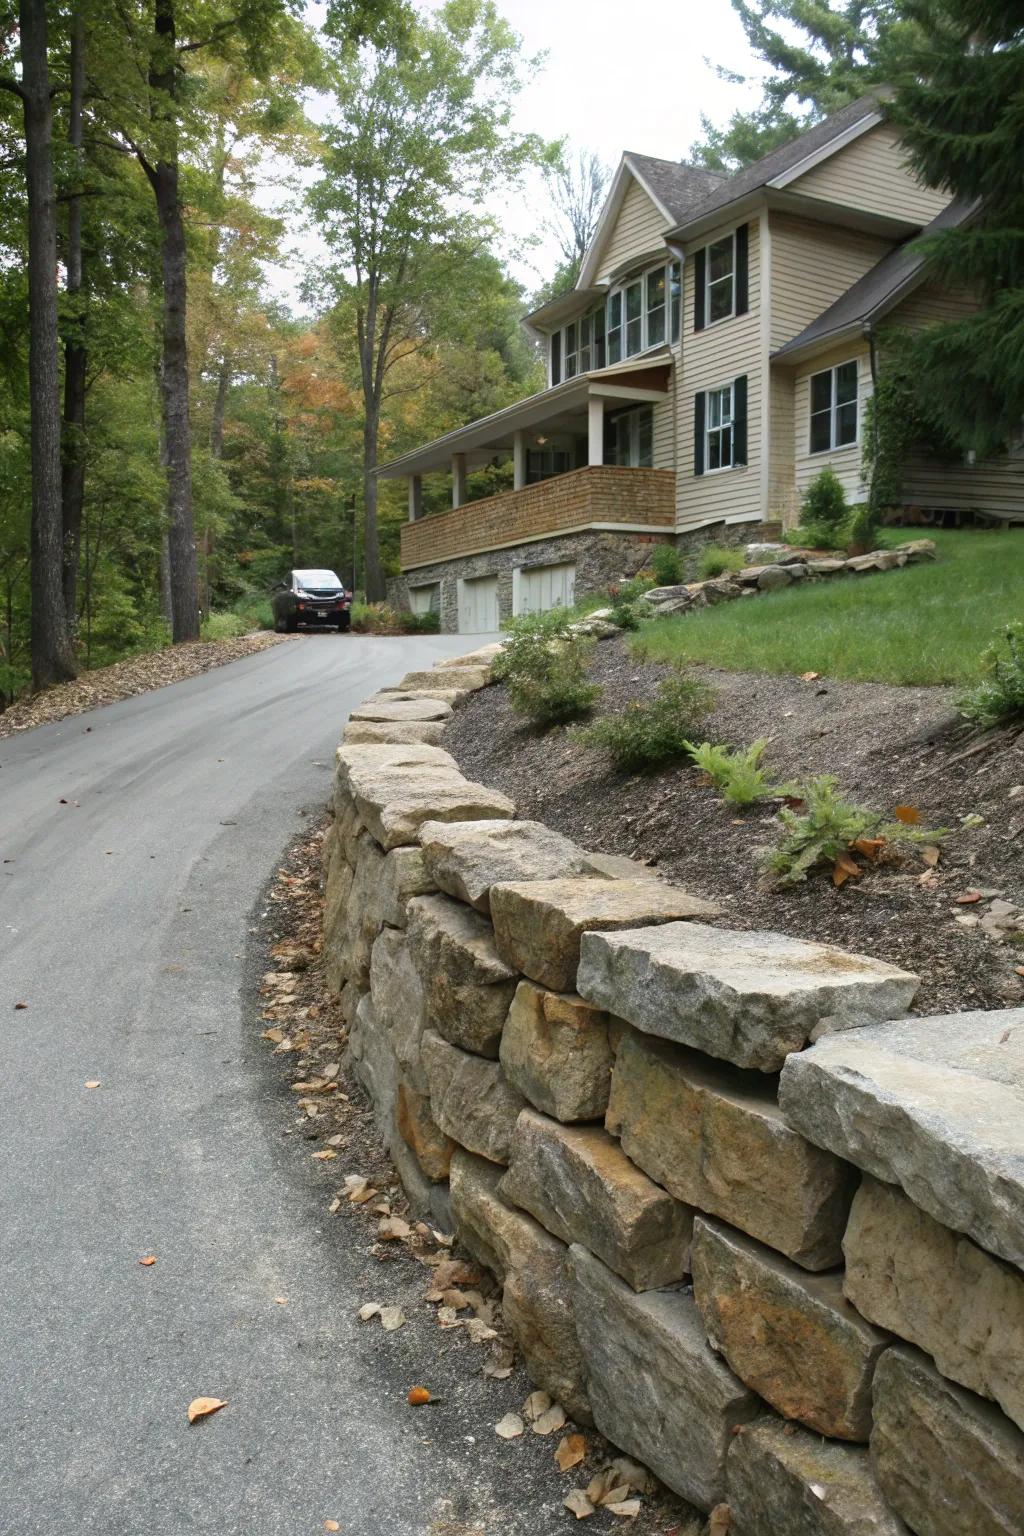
960,107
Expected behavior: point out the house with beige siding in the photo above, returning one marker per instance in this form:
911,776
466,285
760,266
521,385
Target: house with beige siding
718,351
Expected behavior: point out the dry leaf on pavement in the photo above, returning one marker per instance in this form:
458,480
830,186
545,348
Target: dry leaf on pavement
510,1427
202,1407
570,1451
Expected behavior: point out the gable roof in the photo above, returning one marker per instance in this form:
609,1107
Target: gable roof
782,165
676,187
874,294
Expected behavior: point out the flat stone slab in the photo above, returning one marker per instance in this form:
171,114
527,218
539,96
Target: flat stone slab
393,732
470,1099
716,1139
555,1049
467,857
784,1481
539,924
938,1290
934,1105
790,1336
656,1387
582,1187
948,1462
749,998
532,1266
402,709
466,985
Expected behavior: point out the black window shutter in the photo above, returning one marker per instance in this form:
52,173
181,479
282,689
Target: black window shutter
742,269
699,402
699,267
739,420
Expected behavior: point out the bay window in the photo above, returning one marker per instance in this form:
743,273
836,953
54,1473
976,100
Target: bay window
834,408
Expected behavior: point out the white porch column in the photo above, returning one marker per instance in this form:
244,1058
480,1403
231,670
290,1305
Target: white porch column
519,461
595,430
415,497
458,479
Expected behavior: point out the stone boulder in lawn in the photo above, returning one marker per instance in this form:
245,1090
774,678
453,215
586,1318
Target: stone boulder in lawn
467,986
555,1049
583,1188
538,925
466,858
749,998
934,1105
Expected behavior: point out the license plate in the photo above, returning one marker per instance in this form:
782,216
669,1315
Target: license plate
321,613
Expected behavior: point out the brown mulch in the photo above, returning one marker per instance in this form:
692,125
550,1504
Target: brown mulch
140,674
887,746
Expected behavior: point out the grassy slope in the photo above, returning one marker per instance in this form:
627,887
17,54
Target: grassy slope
924,624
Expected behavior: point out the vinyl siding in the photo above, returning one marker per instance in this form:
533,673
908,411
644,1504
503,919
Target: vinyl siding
845,461
812,266
638,230
711,358
871,174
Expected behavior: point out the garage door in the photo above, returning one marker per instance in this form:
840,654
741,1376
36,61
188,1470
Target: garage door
478,605
541,587
425,599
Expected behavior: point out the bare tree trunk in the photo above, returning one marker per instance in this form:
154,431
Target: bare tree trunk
52,659
75,357
376,588
163,178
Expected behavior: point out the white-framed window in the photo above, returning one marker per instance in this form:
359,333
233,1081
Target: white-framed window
641,313
834,408
629,437
720,279
718,429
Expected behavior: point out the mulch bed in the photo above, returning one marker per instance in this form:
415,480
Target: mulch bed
887,746
140,674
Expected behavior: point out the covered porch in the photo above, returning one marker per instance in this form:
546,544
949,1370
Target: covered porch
582,454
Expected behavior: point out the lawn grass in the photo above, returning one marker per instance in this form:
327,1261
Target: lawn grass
924,624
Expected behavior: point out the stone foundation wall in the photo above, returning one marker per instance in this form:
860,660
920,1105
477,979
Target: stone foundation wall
758,1226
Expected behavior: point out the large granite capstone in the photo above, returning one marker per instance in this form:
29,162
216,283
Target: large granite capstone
934,1105
748,998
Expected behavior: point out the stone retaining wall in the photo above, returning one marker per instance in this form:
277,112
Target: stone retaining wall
758,1226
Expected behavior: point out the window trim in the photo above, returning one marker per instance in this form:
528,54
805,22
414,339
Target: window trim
833,408
730,426
708,281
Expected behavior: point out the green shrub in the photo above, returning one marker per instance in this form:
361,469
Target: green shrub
650,732
667,565
737,775
1000,694
544,664
827,828
716,559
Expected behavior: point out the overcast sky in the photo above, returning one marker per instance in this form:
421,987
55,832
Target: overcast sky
617,76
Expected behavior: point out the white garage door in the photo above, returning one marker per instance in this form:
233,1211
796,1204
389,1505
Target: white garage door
544,586
425,599
478,605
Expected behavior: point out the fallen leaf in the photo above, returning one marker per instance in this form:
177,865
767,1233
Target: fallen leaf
324,1155
551,1421
202,1407
93,1082
418,1396
148,1261
578,1503
909,815
570,1451
510,1427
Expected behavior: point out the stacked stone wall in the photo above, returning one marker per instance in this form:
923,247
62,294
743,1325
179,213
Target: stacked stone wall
756,1224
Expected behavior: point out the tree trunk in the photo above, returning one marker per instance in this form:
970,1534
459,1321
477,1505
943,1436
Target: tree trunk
163,178
52,659
75,357
375,586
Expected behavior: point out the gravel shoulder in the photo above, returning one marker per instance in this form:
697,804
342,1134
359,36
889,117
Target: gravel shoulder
125,679
888,746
